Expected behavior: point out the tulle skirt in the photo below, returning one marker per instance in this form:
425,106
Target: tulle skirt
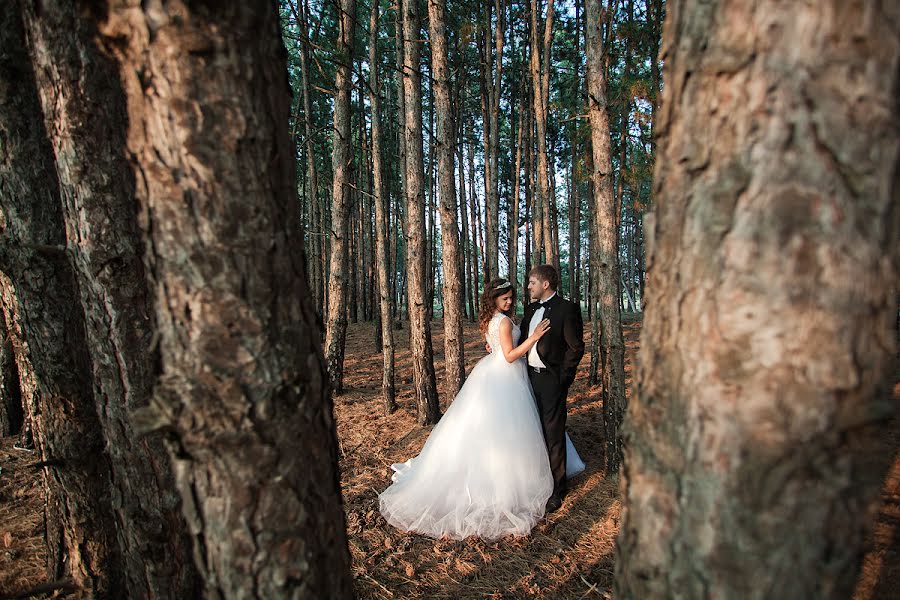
483,470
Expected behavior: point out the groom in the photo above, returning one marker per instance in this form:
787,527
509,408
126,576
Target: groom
552,364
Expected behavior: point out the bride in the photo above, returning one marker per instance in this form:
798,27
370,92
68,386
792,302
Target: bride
484,469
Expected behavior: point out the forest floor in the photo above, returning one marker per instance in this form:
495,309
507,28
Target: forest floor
568,555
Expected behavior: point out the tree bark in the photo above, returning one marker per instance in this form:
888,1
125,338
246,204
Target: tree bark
74,77
492,70
768,347
381,222
316,245
513,242
575,175
465,243
242,391
43,309
455,368
477,240
401,143
430,238
341,157
540,81
11,413
428,409
611,343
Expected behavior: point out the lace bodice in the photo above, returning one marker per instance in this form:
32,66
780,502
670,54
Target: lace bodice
493,332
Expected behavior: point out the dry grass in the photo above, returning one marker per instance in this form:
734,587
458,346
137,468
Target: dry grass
568,555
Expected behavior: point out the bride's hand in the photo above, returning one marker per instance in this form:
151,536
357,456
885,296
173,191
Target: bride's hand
541,329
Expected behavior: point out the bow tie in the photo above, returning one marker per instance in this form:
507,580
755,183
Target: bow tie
543,304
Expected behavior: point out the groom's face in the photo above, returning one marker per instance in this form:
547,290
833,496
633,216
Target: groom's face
537,287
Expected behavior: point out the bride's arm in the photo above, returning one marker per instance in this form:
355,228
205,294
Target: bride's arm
506,344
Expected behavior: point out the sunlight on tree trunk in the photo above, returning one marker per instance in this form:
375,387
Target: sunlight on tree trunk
243,391
769,342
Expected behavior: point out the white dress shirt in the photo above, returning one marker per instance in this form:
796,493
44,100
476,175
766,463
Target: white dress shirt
533,359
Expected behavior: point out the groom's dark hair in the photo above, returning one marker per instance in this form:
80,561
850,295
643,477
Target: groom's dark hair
546,273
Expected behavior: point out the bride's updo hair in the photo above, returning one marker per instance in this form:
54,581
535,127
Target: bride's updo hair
493,290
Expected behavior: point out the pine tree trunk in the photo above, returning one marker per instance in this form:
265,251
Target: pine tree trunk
400,52
477,240
21,367
575,175
242,391
465,245
513,246
493,70
552,224
341,158
430,244
11,413
318,232
428,410
455,369
528,178
768,349
540,73
611,343
43,308
97,186
381,222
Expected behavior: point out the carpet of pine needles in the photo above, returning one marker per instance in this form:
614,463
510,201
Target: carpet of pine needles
568,555
22,550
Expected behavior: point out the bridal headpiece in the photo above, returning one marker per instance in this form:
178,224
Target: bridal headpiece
503,285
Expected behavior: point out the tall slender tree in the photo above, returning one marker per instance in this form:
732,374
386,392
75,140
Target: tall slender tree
341,158
611,342
382,246
455,371
768,349
513,218
491,78
424,378
540,81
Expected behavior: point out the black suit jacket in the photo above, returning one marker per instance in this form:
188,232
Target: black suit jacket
562,347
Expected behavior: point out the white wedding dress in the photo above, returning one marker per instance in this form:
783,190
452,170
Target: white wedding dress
483,470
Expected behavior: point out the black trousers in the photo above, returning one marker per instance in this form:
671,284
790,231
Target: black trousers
551,404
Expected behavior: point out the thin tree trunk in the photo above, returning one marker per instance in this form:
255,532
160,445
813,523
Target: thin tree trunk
611,343
551,226
575,175
540,74
430,237
513,244
341,157
312,173
381,221
465,246
477,240
455,369
428,409
493,70
400,52
528,142
242,390
768,350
